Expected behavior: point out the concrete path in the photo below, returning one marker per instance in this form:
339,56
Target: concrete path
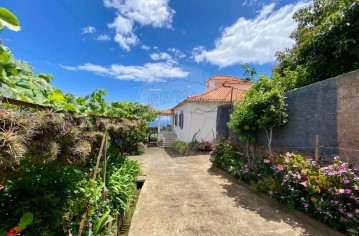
187,196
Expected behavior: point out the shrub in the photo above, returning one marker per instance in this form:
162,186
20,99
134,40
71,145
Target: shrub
265,184
180,147
139,149
57,196
203,146
223,156
329,193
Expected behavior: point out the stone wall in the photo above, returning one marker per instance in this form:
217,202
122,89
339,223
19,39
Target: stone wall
348,116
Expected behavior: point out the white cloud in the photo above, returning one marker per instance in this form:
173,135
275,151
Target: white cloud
252,40
161,56
103,37
88,30
68,67
145,47
177,52
149,72
155,13
251,3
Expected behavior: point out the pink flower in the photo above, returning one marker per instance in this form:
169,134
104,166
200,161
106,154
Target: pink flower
298,175
305,183
279,167
266,161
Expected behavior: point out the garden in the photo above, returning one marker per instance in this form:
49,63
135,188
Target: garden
328,192
64,166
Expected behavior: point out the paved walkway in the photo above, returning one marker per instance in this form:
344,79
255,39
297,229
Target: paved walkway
187,196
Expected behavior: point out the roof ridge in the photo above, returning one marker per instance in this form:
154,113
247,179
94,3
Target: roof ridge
205,92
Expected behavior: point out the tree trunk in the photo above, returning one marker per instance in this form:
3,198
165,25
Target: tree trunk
253,156
248,157
269,137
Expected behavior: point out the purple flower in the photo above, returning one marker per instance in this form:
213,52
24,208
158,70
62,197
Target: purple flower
356,210
345,181
350,215
347,191
341,210
305,205
302,198
328,213
305,183
335,202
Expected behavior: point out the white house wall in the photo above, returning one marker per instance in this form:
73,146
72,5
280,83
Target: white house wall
198,116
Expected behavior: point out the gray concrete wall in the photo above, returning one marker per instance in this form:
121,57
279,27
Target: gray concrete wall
329,108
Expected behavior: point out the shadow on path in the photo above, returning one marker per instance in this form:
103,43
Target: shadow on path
269,209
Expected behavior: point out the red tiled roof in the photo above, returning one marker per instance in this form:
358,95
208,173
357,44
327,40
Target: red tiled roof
228,79
167,112
219,94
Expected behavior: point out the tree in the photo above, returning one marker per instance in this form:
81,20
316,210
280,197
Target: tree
249,73
270,107
243,122
262,108
326,43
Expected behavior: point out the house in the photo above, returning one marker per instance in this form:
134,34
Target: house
196,116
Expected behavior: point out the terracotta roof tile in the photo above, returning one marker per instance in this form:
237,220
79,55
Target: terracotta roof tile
229,79
220,94
167,112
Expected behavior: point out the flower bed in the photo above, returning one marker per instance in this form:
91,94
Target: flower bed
330,193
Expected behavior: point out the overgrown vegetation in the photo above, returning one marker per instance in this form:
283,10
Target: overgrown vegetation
47,158
201,146
56,196
223,156
180,147
326,44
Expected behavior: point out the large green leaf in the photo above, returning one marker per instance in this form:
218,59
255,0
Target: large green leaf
9,20
57,96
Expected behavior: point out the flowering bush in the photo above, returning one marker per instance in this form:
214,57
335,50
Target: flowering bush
223,156
329,193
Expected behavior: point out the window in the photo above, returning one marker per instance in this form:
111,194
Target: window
176,119
181,120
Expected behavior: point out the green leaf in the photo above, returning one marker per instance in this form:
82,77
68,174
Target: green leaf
26,220
4,56
9,20
101,223
57,96
70,107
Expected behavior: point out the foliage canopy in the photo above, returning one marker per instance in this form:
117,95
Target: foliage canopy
326,44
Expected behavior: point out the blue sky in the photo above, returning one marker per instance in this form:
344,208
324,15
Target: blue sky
150,51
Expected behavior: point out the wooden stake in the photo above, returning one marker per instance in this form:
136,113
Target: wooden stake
317,147
84,214
104,169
